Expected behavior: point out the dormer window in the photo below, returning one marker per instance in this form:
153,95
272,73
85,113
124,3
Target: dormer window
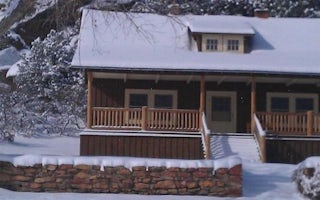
233,45
212,45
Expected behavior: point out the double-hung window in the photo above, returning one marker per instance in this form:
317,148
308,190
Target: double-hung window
292,102
212,45
233,45
137,98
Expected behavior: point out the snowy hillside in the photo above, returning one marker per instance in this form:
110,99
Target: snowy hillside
6,7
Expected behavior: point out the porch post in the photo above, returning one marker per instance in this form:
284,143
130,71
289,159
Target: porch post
202,98
144,118
253,102
309,123
89,99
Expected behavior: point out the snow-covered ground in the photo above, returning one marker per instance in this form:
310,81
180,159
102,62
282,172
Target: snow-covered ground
261,181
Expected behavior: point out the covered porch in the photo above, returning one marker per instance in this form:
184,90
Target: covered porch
193,105
171,102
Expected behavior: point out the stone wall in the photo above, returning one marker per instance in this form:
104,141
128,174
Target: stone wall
138,180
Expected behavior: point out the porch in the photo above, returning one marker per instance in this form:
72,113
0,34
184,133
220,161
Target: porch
169,107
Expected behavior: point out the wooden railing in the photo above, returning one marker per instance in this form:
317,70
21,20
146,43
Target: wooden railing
103,117
146,119
260,137
290,123
173,119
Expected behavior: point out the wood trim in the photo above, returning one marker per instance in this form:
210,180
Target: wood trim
89,99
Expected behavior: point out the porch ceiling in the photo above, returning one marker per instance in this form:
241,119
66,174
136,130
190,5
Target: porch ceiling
209,78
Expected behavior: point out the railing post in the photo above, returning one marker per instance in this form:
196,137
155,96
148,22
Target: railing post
263,149
207,140
144,118
309,123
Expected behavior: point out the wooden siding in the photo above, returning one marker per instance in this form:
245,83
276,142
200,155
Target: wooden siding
142,146
291,150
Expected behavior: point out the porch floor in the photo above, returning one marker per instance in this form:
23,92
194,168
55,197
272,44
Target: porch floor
139,132
242,145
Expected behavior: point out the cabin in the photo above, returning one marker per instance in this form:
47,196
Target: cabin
159,86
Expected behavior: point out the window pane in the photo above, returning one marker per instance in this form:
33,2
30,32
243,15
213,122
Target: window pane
138,100
221,109
163,101
279,104
304,104
233,45
212,45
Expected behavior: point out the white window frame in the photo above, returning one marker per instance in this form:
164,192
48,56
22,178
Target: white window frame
233,45
214,46
151,96
292,99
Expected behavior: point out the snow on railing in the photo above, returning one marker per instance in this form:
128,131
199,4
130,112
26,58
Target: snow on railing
260,137
205,135
259,126
207,131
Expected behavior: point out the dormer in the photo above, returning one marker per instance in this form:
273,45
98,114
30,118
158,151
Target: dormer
220,35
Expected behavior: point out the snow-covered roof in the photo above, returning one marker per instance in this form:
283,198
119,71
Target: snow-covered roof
220,24
8,57
132,41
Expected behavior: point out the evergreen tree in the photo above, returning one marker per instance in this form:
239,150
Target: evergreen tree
6,113
50,94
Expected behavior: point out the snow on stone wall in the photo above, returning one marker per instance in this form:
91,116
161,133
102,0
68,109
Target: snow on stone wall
225,179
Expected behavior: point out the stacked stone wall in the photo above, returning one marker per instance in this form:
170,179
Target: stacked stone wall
118,179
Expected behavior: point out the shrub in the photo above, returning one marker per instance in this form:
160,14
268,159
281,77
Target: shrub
307,177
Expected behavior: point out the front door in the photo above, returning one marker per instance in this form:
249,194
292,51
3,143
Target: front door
221,111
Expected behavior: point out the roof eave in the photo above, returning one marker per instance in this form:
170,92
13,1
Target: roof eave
200,71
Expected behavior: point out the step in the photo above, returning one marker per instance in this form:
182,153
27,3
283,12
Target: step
243,145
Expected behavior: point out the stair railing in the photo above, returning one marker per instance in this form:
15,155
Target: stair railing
205,135
260,137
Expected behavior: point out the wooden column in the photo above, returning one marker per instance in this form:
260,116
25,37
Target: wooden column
202,99
253,102
89,99
202,93
309,123
144,117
